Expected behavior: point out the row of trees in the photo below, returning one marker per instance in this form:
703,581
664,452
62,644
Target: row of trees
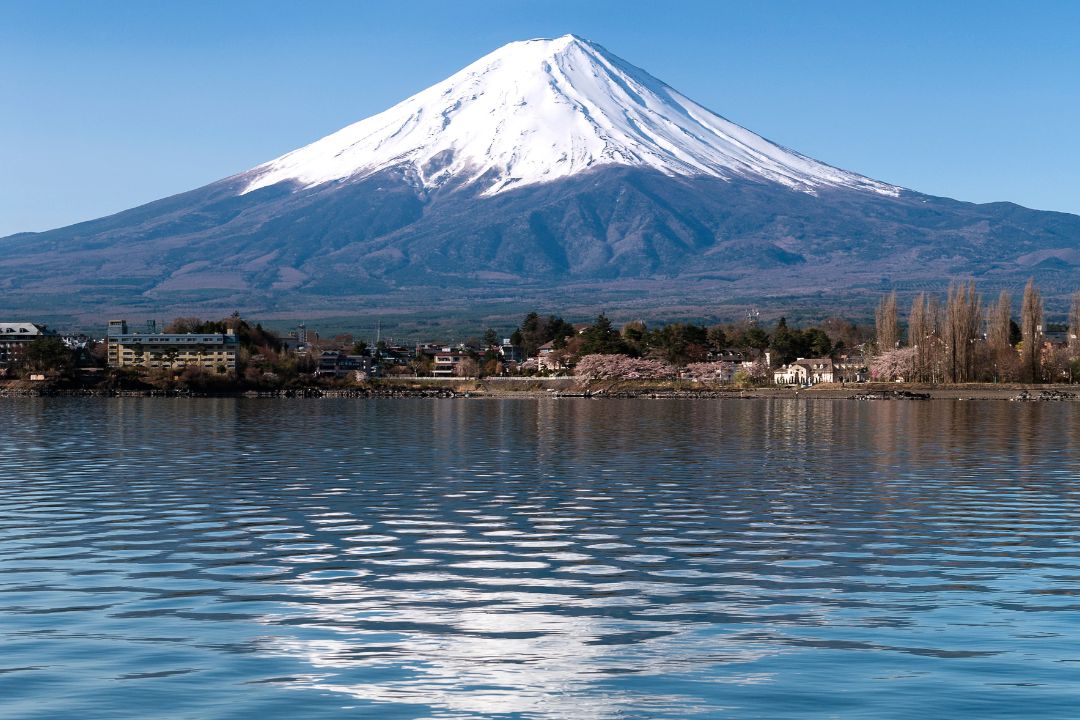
681,344
963,341
48,353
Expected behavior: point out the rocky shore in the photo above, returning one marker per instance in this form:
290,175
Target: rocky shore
570,388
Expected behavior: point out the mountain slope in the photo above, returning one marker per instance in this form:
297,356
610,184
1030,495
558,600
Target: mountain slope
549,173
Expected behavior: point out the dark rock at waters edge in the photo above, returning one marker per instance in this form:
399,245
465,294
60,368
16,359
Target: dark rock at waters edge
1044,395
892,395
657,394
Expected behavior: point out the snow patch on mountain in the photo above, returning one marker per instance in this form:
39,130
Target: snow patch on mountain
542,110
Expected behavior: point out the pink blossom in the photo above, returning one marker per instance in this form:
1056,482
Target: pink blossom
722,371
898,364
621,367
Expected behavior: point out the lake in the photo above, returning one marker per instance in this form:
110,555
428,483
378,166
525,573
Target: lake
551,558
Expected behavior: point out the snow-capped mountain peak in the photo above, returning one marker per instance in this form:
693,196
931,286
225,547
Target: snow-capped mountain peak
541,110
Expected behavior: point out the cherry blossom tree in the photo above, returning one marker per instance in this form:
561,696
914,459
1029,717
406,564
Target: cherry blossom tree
759,371
621,367
708,371
896,364
753,373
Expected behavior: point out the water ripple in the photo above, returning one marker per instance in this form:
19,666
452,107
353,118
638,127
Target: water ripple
540,559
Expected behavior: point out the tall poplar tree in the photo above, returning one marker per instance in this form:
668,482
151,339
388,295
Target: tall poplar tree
1031,331
935,321
999,331
963,316
921,336
997,327
1074,326
886,324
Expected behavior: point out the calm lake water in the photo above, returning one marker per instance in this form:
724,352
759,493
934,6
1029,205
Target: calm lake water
226,558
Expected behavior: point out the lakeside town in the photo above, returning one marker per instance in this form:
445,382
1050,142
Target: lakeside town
950,340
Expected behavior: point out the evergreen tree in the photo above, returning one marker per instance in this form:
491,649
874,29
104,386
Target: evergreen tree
717,338
602,338
783,343
48,354
751,338
816,342
536,330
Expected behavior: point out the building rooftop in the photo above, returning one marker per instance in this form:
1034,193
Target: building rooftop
20,329
177,338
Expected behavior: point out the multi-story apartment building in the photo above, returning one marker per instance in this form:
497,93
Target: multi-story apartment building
211,351
14,337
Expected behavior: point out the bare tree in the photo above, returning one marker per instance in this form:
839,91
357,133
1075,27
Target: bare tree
1074,326
998,322
924,335
1001,353
919,338
963,316
937,322
886,324
973,318
1057,365
466,368
1031,330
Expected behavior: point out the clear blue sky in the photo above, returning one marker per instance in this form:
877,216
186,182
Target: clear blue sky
106,105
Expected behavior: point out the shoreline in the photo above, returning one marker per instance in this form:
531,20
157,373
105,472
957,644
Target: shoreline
562,388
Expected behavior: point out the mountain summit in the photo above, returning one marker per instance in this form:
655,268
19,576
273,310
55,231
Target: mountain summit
548,174
542,110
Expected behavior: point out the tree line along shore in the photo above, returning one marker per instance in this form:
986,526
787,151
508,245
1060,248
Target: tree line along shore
942,342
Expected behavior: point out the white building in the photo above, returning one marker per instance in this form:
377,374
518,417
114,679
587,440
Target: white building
805,371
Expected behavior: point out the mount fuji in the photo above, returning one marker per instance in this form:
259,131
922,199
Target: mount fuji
545,110
549,173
